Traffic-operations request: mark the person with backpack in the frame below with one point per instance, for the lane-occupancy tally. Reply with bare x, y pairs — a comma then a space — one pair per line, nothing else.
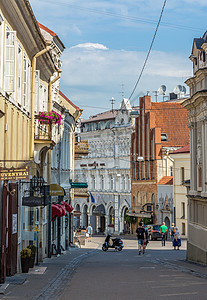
146, 237
141, 236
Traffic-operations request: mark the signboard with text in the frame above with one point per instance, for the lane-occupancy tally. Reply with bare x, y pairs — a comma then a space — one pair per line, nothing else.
14, 174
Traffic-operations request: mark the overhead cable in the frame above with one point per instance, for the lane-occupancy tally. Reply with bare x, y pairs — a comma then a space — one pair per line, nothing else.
146, 59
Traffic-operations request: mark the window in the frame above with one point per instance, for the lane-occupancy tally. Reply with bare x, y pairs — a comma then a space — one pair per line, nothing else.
127, 183
1, 49
93, 182
134, 200
101, 182
147, 165
183, 209
199, 177
143, 170
24, 81
9, 73
171, 171
123, 182
182, 175
28, 86
164, 137
133, 170
45, 99
138, 171
111, 182
19, 74
183, 228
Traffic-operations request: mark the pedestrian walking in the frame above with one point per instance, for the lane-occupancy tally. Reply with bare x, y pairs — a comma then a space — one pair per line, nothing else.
89, 232
140, 237
146, 238
172, 231
163, 231
176, 239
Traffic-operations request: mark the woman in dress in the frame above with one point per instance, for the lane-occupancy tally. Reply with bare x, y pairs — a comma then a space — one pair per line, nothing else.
176, 239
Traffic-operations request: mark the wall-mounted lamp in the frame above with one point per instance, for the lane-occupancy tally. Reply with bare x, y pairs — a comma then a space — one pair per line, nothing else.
140, 158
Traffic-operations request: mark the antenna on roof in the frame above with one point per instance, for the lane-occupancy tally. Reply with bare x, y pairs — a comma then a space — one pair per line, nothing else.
112, 103
162, 90
155, 94
122, 91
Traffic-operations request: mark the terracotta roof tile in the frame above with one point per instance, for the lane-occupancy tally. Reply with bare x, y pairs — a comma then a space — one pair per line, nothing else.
185, 149
168, 180
76, 107
47, 29
107, 115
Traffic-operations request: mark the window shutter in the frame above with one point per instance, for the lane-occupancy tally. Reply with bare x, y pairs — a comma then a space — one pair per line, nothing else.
37, 104
24, 98
19, 74
9, 73
29, 86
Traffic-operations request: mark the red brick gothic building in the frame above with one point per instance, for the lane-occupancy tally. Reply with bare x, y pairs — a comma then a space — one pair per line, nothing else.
161, 127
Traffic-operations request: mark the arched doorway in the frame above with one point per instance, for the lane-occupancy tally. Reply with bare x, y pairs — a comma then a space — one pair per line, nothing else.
124, 226
85, 216
99, 212
167, 223
111, 219
93, 219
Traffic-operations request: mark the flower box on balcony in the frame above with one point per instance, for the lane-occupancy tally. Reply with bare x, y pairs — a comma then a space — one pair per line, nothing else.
47, 117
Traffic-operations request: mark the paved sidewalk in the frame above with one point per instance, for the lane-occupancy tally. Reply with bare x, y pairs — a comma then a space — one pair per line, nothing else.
34, 284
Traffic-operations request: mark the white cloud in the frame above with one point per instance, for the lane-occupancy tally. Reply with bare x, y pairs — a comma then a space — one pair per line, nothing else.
93, 77
90, 46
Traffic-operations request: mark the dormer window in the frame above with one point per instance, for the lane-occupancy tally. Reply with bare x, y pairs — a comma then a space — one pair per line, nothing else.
164, 137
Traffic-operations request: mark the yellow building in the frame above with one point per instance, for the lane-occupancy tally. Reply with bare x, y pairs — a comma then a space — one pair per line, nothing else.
28, 70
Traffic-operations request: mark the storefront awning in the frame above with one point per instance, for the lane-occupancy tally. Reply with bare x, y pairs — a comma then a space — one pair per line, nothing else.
67, 206
99, 210
138, 215
58, 210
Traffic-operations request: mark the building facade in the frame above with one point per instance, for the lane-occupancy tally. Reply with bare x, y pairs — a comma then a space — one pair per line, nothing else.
159, 129
181, 175
106, 169
29, 84
197, 114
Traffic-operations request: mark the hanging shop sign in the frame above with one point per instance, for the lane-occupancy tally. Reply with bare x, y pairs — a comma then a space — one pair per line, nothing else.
32, 201
56, 190
14, 174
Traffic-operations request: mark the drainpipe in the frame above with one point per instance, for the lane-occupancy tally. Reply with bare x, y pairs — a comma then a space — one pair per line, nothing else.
49, 169
81, 111
34, 59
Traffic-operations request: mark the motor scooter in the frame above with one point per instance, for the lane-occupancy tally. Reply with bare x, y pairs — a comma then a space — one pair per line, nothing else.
117, 243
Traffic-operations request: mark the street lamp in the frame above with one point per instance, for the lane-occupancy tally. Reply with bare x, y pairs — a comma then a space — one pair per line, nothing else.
140, 158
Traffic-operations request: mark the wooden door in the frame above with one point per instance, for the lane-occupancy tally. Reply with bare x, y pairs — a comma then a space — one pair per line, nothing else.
12, 229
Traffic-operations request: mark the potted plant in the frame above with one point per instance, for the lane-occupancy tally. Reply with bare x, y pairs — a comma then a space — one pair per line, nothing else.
25, 259
45, 117
32, 259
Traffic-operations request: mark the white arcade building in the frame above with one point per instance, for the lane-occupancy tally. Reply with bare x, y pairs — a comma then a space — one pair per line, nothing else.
106, 169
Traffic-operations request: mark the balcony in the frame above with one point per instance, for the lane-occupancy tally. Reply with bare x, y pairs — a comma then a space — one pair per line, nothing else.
81, 149
43, 140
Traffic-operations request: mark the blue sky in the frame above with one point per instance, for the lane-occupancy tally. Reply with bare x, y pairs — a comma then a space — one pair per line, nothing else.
107, 42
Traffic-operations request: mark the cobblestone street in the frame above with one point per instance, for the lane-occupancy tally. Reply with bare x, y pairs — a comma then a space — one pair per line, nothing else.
90, 273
